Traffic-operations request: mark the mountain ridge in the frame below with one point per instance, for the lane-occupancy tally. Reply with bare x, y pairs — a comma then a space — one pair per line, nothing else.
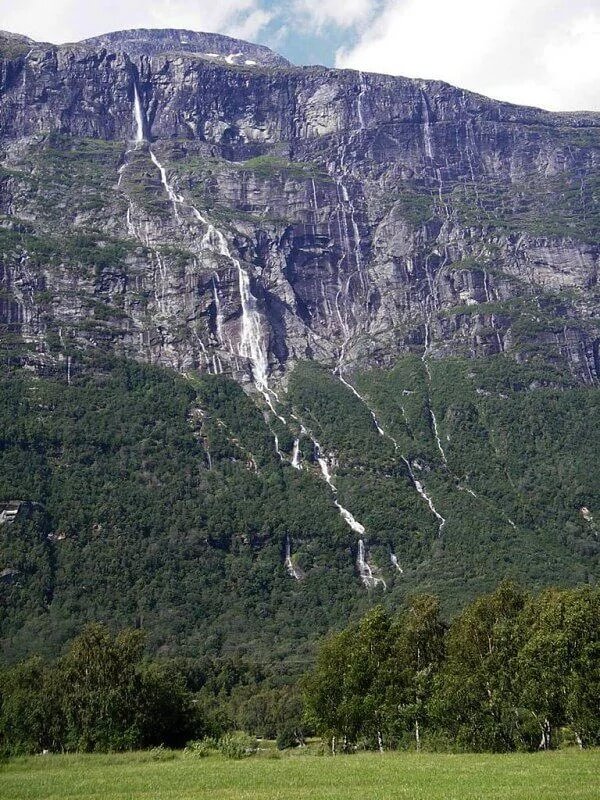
159, 41
431, 137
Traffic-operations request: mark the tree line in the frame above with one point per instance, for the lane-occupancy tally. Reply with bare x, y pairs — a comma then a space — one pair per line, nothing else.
102, 695
106, 694
514, 671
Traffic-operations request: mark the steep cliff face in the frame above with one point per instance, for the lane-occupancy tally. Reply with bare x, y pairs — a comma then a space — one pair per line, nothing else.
370, 215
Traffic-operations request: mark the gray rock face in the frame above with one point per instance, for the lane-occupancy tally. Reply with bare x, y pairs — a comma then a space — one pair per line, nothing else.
212, 46
368, 215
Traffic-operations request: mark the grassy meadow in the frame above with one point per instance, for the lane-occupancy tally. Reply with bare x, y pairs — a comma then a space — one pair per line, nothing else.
368, 776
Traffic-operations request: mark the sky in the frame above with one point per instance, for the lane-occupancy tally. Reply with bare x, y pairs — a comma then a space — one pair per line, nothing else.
534, 52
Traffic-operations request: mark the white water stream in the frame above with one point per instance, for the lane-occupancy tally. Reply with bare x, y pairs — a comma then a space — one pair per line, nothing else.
289, 564
359, 100
138, 115
369, 580
436, 432
252, 342
325, 472
421, 490
394, 560
437, 436
459, 485
218, 309
348, 229
416, 482
277, 450
428, 141
427, 127
296, 455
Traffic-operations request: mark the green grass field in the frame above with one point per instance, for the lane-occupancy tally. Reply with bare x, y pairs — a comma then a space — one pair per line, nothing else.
368, 776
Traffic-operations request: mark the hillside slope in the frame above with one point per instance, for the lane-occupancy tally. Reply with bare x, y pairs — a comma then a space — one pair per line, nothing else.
401, 275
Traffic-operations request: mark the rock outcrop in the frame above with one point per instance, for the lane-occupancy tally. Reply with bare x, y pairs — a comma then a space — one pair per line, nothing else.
366, 215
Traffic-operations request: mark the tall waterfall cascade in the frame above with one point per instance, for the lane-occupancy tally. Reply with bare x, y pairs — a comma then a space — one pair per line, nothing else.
138, 115
252, 341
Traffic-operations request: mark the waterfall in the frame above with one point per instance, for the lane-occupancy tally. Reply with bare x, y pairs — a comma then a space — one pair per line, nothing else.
380, 430
277, 450
140, 120
140, 136
176, 199
364, 570
437, 436
324, 465
347, 516
426, 127
428, 141
421, 490
347, 212
417, 483
252, 344
218, 310
314, 200
349, 519
394, 560
488, 298
289, 565
359, 100
296, 455
345, 202
130, 226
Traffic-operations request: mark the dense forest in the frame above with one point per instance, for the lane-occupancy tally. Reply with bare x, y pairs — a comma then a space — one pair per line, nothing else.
514, 671
505, 675
167, 503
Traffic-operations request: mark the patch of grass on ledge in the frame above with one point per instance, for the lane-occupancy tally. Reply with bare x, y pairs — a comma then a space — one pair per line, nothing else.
267, 165
301, 775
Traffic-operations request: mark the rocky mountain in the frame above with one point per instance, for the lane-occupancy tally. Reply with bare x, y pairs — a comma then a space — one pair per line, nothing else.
378, 207
211, 46
402, 274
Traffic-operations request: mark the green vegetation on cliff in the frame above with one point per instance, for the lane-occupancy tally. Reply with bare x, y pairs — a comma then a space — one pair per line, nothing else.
158, 501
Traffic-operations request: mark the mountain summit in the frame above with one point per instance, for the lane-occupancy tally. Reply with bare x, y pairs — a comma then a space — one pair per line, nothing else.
152, 42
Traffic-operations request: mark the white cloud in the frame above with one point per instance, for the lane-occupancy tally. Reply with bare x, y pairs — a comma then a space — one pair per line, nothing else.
343, 13
537, 52
70, 20
249, 27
